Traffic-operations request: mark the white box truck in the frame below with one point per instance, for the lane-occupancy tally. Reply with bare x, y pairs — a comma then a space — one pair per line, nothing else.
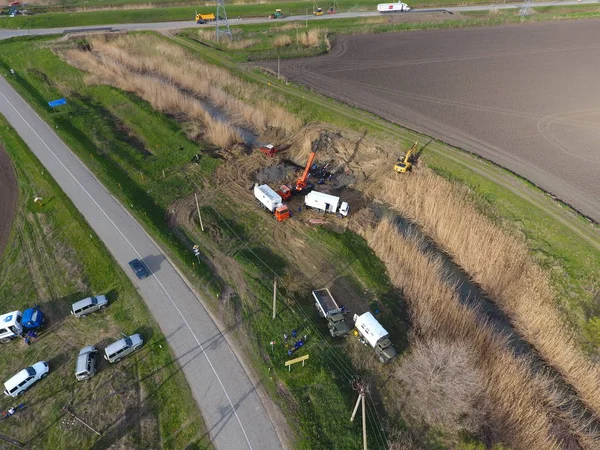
330, 310
271, 200
326, 203
374, 335
392, 7
15, 324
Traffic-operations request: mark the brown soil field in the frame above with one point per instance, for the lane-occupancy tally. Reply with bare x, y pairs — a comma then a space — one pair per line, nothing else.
522, 96
8, 197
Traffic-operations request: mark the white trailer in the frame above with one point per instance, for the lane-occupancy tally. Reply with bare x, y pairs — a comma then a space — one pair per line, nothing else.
267, 197
330, 310
271, 200
375, 336
10, 326
392, 7
326, 203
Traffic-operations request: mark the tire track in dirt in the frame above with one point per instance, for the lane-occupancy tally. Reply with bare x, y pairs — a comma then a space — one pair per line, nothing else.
9, 193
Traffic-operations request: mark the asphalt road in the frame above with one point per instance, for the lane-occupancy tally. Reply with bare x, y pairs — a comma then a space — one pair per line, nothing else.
6, 33
523, 96
234, 415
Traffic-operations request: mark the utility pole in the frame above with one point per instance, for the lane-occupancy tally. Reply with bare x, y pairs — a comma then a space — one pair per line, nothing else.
222, 22
361, 387
198, 208
274, 297
278, 60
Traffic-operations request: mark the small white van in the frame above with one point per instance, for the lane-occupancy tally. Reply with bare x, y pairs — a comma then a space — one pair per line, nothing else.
123, 347
88, 305
25, 378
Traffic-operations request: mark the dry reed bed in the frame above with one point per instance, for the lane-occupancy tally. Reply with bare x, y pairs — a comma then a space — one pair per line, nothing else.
165, 97
245, 104
525, 405
500, 264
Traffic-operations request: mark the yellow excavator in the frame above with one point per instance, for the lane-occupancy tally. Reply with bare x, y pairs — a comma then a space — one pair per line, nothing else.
404, 164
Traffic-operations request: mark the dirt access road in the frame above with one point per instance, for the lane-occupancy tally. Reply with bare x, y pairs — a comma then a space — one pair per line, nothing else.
523, 96
9, 194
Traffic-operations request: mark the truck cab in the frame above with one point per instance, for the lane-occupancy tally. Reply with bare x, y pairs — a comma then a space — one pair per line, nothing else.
385, 350
32, 318
10, 326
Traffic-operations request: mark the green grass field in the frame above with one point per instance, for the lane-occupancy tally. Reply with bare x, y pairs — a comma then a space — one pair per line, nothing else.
53, 259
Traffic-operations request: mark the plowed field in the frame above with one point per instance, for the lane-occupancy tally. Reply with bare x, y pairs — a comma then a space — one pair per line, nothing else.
524, 96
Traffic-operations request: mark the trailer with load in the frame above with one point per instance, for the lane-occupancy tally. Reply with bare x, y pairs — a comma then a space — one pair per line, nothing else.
270, 200
14, 324
326, 203
392, 7
330, 310
375, 336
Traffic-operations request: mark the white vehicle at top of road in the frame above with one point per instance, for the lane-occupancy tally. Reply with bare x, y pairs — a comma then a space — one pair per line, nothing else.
392, 7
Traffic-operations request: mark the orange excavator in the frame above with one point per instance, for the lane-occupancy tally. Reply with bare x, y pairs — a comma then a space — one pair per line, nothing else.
302, 185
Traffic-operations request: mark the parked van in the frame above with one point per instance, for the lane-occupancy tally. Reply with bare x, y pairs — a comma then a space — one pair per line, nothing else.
25, 378
88, 305
87, 361
123, 347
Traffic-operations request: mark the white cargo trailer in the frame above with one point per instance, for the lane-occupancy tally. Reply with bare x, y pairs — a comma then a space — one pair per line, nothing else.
375, 336
267, 197
326, 203
392, 7
271, 200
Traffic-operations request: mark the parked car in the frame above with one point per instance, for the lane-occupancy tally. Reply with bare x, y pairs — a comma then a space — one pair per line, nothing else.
123, 347
87, 362
139, 268
88, 305
25, 378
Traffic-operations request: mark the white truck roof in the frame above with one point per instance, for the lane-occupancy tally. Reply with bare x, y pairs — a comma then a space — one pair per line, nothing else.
369, 328
265, 189
9, 319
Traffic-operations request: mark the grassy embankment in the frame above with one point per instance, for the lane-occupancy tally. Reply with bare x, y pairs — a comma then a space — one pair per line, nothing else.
129, 145
53, 259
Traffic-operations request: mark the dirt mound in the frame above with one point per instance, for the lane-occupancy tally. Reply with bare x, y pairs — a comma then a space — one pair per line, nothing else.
9, 194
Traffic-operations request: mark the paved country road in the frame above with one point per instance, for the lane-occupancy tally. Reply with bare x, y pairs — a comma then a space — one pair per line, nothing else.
8, 33
234, 415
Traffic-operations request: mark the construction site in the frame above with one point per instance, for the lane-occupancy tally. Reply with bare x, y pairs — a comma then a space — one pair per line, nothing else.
367, 257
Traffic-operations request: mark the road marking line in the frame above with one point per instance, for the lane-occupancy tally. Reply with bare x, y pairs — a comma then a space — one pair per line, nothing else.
140, 256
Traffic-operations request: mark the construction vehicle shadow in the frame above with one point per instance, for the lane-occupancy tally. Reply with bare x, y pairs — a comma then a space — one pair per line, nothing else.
420, 150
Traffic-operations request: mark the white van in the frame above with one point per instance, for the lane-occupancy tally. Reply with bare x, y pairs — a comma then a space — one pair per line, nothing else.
25, 378
88, 305
123, 347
